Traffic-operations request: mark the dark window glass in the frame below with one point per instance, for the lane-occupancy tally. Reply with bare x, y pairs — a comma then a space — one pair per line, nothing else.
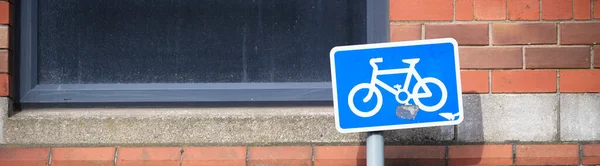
193, 41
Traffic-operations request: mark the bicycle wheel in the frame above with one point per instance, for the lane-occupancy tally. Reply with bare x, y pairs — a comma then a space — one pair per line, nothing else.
372, 89
422, 83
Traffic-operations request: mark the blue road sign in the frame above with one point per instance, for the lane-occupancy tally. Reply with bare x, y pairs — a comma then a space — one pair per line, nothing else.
378, 86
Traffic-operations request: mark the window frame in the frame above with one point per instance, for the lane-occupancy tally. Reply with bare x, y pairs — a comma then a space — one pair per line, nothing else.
28, 91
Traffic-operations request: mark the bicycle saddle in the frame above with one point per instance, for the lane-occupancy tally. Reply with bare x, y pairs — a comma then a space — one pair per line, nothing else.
411, 61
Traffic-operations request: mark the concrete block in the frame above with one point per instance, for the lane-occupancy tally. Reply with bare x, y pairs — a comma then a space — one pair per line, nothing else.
194, 126
580, 117
5, 110
471, 129
429, 135
509, 117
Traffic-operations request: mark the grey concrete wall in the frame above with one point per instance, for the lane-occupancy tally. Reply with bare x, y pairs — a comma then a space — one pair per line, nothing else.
5, 111
490, 118
510, 117
225, 126
580, 117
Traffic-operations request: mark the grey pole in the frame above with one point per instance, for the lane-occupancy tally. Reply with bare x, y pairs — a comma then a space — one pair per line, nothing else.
378, 31
375, 149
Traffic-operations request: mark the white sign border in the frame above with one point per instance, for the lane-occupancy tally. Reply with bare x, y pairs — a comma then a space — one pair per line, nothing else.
396, 44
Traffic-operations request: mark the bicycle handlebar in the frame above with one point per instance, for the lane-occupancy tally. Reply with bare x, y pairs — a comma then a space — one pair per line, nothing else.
376, 60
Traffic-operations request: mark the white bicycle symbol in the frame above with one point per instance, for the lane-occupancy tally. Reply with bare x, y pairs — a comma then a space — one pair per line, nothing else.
398, 89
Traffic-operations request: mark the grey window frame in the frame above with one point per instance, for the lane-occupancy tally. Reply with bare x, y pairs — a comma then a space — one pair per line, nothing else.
29, 91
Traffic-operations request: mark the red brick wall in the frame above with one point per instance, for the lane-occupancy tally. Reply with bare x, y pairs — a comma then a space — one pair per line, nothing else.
499, 154
511, 46
5, 26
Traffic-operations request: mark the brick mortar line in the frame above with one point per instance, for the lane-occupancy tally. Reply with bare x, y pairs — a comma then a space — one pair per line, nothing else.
50, 156
312, 156
473, 7
524, 59
526, 45
446, 154
422, 31
540, 11
558, 85
454, 11
558, 111
529, 69
490, 34
247, 155
116, 155
558, 33
494, 46
506, 10
490, 81
573, 9
580, 154
181, 151
514, 154
592, 10
593, 142
553, 45
488, 21
592, 57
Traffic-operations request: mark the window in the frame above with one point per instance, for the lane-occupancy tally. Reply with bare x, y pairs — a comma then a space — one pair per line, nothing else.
188, 50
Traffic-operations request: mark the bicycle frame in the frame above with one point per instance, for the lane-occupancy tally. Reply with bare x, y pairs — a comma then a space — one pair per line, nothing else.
410, 71
387, 87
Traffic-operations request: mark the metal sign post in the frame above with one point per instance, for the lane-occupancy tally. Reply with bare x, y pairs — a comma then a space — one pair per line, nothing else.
377, 32
375, 148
